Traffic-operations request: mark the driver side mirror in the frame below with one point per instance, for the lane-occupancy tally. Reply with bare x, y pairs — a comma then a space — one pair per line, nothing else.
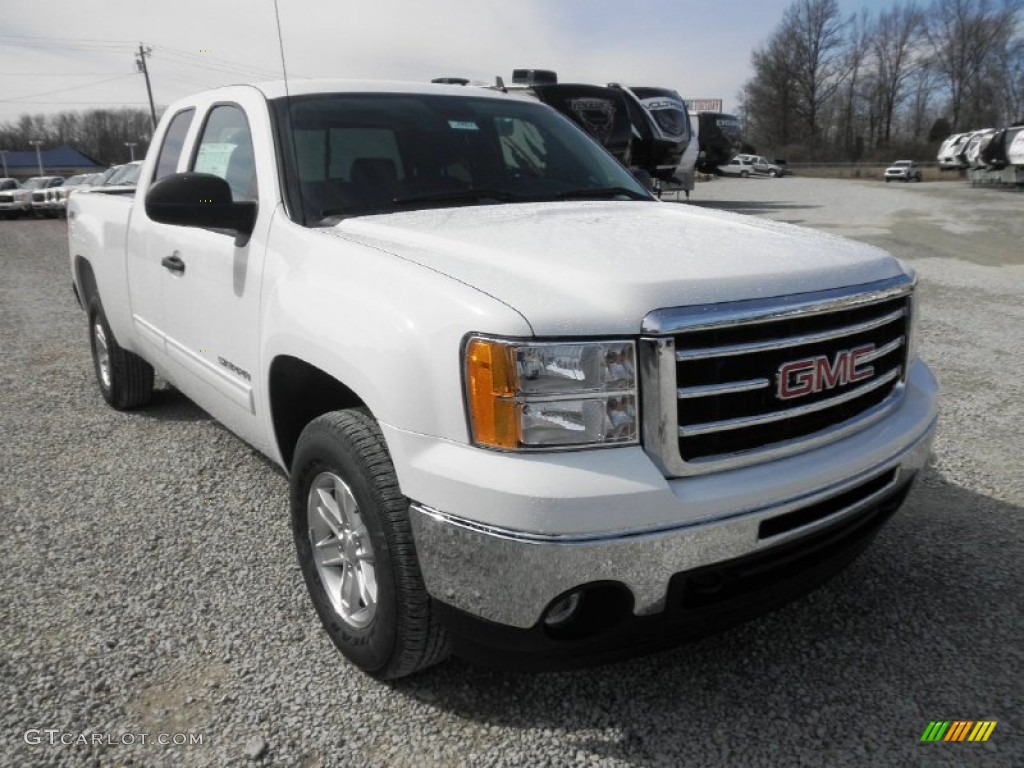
200, 200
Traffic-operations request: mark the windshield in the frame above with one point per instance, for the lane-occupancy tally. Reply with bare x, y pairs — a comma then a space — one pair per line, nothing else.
668, 111
8, 184
36, 182
360, 154
126, 174
102, 177
730, 127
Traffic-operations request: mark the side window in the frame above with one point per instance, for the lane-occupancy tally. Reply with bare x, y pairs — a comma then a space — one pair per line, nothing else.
225, 150
174, 140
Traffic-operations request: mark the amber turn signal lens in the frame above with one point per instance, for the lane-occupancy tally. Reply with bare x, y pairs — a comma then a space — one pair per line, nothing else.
490, 383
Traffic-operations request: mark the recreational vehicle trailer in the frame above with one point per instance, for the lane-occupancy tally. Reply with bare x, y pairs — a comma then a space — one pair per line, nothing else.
645, 128
720, 138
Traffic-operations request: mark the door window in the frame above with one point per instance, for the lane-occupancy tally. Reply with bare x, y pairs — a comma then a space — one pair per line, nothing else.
225, 150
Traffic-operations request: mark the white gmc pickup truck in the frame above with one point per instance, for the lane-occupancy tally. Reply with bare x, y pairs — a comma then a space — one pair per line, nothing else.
528, 412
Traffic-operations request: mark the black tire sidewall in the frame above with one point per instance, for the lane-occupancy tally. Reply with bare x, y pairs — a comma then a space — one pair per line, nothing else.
322, 450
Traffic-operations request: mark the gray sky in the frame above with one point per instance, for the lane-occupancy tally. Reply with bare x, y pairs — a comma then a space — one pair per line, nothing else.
75, 54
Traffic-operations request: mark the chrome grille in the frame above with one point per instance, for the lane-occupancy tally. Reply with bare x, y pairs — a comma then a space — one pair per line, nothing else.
717, 371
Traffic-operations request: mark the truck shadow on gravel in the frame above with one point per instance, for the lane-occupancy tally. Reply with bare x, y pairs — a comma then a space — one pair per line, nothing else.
921, 626
168, 404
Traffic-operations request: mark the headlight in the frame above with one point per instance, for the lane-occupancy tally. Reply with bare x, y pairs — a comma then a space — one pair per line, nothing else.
530, 395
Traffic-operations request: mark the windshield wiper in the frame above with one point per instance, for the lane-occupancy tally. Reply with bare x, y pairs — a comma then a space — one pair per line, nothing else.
474, 195
602, 192
446, 196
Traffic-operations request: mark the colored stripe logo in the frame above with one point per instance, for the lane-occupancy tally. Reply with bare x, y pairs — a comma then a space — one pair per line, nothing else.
958, 730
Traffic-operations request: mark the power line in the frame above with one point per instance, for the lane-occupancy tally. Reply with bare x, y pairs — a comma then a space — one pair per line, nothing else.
18, 101
23, 96
65, 39
58, 74
213, 62
93, 47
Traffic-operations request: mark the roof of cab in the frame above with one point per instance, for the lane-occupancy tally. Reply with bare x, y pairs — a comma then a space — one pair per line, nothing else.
276, 89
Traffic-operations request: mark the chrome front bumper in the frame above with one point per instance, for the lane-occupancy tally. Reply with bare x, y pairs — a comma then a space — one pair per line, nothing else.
511, 577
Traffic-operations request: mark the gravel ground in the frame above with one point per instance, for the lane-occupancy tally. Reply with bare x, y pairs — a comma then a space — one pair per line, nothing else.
150, 585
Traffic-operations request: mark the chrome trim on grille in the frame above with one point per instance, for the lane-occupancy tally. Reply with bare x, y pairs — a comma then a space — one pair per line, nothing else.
674, 320
724, 389
798, 444
661, 394
789, 413
882, 351
790, 341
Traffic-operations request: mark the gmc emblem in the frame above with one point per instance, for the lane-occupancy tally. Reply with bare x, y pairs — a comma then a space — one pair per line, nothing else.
815, 374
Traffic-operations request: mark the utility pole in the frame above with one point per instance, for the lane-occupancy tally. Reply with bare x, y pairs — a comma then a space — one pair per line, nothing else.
140, 63
3, 156
39, 156
131, 146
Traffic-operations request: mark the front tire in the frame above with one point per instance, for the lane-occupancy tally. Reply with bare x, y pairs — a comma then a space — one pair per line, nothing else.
355, 547
744, 174
124, 378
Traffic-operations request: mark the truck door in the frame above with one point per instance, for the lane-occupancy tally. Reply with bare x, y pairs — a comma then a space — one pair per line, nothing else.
146, 276
211, 282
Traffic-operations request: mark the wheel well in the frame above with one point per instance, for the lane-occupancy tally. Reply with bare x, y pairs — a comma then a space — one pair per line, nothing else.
86, 287
299, 392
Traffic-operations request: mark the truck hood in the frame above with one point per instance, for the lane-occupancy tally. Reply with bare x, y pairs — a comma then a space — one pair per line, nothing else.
599, 267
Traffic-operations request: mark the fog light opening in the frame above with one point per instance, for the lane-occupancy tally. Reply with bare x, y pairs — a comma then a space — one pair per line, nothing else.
588, 610
562, 610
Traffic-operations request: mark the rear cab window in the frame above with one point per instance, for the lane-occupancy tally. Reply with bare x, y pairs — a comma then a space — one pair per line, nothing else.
174, 142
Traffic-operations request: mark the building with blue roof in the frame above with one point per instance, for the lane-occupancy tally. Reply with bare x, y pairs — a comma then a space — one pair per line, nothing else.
64, 160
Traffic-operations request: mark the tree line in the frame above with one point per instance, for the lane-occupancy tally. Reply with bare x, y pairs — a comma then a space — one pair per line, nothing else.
99, 133
829, 87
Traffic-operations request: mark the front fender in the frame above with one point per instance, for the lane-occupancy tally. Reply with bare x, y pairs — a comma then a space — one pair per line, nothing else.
388, 329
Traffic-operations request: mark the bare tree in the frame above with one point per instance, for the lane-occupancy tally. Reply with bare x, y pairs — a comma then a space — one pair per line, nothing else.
894, 42
1010, 61
964, 36
922, 89
99, 133
817, 33
856, 57
824, 87
768, 98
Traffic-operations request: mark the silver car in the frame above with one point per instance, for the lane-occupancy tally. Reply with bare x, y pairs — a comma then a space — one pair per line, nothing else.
903, 170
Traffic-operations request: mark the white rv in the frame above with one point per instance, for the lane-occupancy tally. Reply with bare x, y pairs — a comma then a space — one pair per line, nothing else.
947, 152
